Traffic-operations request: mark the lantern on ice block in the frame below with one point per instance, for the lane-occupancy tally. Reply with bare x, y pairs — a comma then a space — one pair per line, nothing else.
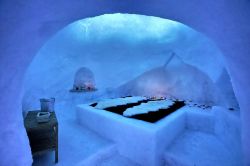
84, 80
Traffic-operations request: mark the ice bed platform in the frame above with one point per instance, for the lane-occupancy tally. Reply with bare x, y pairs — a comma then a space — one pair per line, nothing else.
138, 140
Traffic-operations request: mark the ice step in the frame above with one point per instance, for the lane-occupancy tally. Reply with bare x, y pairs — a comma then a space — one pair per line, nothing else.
199, 149
107, 156
99, 156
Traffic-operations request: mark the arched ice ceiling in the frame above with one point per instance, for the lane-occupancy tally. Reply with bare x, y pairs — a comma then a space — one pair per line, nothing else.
122, 46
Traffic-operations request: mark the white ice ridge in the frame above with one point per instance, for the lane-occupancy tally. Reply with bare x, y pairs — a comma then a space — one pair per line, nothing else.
118, 101
148, 107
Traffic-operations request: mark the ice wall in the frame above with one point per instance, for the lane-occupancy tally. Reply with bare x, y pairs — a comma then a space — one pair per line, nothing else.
176, 79
117, 48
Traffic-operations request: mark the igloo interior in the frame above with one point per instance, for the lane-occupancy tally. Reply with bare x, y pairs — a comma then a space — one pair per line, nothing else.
166, 84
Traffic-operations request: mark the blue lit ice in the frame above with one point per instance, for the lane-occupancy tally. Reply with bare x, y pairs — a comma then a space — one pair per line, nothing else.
118, 48
127, 55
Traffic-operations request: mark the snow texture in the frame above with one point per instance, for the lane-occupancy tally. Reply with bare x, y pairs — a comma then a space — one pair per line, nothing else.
201, 149
150, 106
118, 101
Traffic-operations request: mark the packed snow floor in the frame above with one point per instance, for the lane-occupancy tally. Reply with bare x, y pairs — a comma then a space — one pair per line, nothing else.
194, 148
81, 147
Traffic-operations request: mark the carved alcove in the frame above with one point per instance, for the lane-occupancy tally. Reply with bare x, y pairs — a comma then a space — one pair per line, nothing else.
84, 80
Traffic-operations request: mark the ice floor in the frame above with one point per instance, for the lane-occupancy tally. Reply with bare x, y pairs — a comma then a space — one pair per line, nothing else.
81, 147
194, 148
